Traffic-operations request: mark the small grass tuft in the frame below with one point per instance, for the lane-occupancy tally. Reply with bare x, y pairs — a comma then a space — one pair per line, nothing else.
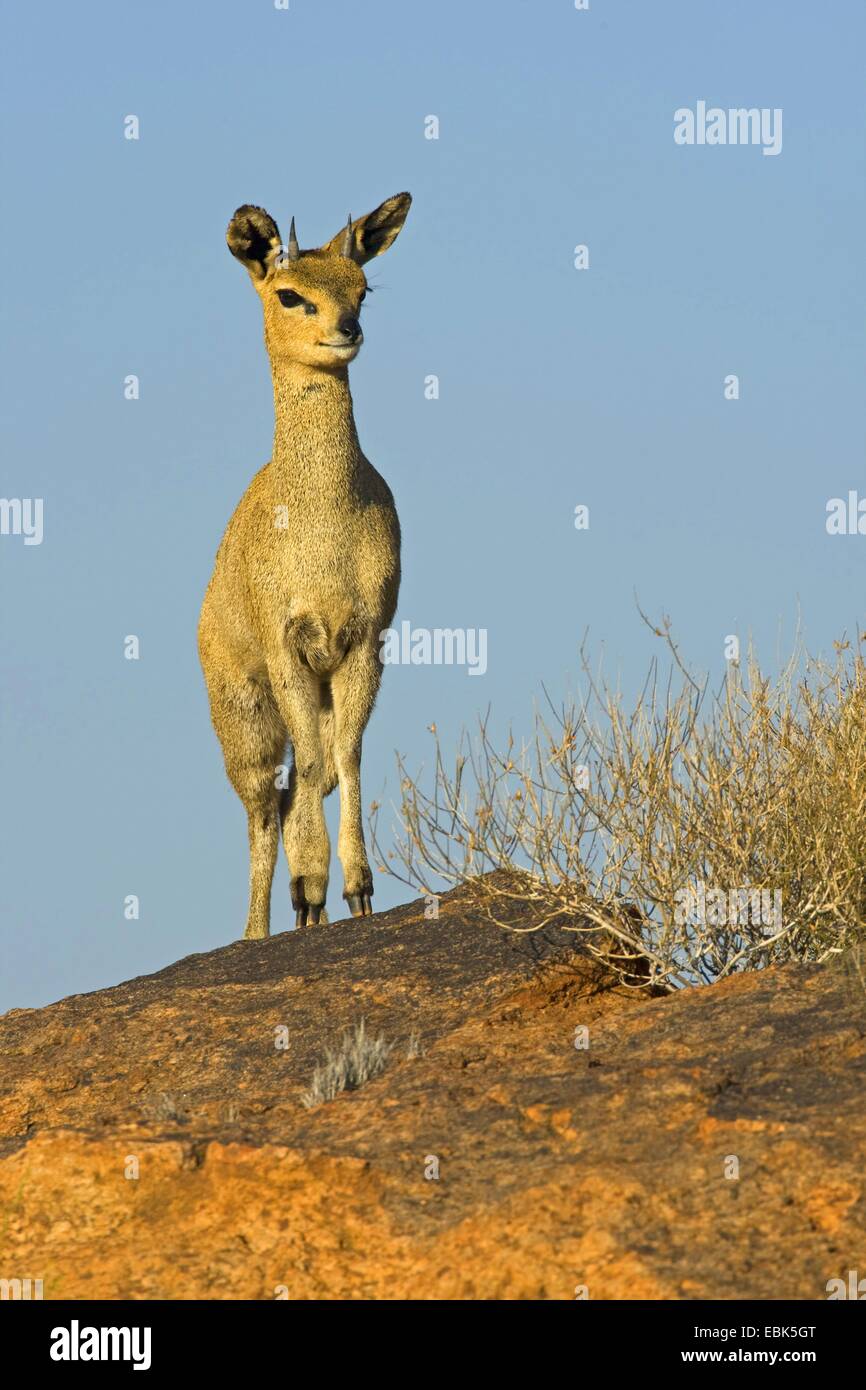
414, 1046
166, 1106
356, 1060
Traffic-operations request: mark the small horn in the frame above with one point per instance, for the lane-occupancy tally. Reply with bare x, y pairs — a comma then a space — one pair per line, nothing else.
348, 240
293, 250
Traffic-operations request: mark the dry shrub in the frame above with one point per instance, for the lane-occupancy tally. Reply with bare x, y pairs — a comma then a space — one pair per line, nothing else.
609, 818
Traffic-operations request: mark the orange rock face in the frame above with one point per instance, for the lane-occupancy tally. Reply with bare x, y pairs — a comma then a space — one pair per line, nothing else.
153, 1142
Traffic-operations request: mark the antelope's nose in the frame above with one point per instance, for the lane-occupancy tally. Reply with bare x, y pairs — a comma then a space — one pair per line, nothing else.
350, 327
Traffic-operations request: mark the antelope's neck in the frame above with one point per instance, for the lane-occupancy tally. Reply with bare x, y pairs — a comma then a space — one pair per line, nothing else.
316, 445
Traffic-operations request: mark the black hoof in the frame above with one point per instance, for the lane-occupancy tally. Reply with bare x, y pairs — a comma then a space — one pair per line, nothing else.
308, 915
360, 904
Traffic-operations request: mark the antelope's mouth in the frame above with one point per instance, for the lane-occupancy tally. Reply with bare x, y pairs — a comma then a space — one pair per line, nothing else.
342, 347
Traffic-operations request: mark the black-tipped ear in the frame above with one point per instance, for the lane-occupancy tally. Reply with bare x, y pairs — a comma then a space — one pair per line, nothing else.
253, 237
373, 234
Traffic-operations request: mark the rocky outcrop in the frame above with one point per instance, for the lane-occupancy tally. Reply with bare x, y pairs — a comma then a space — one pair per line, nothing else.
708, 1144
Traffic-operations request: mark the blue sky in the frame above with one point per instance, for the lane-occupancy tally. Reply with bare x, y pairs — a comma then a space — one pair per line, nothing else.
557, 387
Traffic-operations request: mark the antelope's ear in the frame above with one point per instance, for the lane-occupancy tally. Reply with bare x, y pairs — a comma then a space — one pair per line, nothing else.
253, 237
373, 234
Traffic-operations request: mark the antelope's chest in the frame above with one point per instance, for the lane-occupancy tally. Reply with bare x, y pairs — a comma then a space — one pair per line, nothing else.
345, 561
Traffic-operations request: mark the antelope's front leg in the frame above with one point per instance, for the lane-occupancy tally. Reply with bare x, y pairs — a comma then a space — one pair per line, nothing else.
305, 834
354, 686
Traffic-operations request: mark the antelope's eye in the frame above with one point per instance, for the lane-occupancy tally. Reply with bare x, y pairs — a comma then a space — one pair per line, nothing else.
363, 296
289, 299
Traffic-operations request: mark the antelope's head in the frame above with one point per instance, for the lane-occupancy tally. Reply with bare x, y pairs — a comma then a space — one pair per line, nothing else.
312, 299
